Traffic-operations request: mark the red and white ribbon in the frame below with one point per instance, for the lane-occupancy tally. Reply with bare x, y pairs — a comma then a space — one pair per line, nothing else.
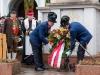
56, 55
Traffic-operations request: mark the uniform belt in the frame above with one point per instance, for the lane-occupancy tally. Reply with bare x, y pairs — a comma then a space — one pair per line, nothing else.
14, 34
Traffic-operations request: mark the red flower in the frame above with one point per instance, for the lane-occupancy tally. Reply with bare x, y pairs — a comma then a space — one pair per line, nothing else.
59, 31
64, 35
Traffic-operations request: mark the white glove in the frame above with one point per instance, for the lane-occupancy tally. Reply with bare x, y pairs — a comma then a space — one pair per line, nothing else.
49, 46
69, 53
30, 32
19, 39
76, 47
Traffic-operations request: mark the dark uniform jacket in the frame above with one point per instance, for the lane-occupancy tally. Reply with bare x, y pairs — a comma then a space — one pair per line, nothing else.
79, 32
38, 36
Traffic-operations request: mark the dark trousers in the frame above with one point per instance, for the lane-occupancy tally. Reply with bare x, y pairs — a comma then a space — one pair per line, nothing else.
37, 54
81, 52
29, 60
13, 48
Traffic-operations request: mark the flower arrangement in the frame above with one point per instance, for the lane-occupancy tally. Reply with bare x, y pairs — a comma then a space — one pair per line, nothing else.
57, 36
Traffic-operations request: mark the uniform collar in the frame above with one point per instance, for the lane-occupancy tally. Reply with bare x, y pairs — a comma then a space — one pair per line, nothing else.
47, 25
69, 26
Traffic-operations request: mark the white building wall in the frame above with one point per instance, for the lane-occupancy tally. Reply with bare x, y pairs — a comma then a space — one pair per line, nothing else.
40, 3
61, 1
4, 4
90, 24
3, 7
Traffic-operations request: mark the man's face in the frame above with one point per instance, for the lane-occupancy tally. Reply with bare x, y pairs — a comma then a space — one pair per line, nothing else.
30, 17
13, 15
2, 19
50, 24
66, 27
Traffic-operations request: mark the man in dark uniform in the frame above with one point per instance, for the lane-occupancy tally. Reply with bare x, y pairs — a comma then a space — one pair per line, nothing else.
78, 32
38, 36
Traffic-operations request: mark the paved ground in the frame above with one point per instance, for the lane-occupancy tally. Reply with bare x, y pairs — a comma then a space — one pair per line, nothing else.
29, 70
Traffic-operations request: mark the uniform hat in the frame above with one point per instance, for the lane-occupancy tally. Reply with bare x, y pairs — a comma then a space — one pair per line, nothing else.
30, 13
8, 15
52, 17
13, 11
64, 21
3, 17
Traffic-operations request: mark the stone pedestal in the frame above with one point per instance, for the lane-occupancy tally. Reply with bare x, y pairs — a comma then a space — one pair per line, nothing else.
10, 68
87, 70
87, 13
72, 59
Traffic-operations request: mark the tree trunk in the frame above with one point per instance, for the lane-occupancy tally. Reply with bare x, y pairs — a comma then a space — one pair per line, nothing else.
28, 4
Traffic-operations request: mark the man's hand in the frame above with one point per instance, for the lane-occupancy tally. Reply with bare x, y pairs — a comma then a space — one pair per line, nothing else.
86, 45
19, 39
30, 32
49, 46
69, 53
50, 32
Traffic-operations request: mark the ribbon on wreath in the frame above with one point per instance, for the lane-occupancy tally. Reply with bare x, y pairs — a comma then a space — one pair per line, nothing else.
56, 55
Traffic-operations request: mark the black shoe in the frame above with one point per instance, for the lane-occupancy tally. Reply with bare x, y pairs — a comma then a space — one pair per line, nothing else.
28, 64
39, 69
45, 68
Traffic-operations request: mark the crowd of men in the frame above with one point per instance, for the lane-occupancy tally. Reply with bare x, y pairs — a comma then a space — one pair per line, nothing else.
34, 35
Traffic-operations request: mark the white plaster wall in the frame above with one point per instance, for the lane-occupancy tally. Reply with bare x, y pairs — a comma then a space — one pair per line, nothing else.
89, 23
40, 3
6, 3
61, 1
41, 14
45, 16
76, 15
3, 7
97, 31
